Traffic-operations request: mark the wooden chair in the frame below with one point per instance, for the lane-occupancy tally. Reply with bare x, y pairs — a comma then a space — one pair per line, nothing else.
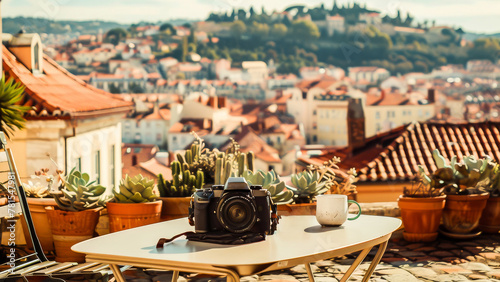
36, 264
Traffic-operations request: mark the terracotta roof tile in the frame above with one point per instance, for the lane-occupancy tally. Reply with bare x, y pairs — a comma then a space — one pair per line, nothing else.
413, 146
59, 92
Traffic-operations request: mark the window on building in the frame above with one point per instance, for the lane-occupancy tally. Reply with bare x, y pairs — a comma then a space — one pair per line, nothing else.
377, 115
79, 163
134, 160
315, 138
97, 166
388, 114
279, 140
112, 165
378, 127
158, 137
314, 112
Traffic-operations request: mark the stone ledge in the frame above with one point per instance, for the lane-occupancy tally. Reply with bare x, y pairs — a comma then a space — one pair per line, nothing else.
379, 208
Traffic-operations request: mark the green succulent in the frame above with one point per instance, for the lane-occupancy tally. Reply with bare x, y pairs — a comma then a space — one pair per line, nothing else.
270, 181
308, 184
471, 176
78, 193
138, 189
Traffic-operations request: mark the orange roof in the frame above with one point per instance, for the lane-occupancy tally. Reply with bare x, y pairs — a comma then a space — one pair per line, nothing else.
60, 91
323, 83
387, 99
249, 141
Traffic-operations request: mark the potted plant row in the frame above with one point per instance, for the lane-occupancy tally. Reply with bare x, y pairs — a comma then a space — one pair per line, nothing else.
459, 191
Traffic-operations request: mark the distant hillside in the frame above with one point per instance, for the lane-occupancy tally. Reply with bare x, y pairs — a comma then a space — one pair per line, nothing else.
474, 36
41, 25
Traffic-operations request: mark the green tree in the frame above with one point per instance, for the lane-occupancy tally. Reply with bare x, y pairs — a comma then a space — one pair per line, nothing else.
304, 30
238, 28
116, 35
11, 114
278, 31
168, 27
259, 30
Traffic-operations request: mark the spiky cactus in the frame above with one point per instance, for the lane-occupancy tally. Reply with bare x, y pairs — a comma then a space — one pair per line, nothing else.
138, 189
308, 184
79, 194
271, 182
183, 183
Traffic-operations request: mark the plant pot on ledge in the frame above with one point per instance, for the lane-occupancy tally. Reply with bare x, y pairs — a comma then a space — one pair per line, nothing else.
69, 228
134, 205
174, 207
490, 218
421, 217
461, 213
41, 223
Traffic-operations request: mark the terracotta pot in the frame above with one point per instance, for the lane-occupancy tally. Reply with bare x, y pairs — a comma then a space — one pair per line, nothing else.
490, 219
461, 213
174, 207
41, 223
297, 209
69, 228
421, 217
129, 215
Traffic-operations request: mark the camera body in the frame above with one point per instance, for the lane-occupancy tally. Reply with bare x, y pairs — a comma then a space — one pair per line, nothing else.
234, 207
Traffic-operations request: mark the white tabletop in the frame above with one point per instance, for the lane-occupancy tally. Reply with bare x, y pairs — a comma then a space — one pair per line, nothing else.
297, 237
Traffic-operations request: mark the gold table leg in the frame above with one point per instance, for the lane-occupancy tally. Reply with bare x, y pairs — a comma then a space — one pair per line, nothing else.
355, 264
309, 272
117, 273
375, 261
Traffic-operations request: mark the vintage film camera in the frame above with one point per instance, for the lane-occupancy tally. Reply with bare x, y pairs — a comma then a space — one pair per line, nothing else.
233, 208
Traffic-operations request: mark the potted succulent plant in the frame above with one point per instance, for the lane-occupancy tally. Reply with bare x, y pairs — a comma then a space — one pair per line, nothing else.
490, 218
463, 183
134, 204
422, 207
38, 196
317, 180
76, 215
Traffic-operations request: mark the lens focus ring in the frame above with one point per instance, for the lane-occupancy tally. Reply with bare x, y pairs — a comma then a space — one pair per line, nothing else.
237, 213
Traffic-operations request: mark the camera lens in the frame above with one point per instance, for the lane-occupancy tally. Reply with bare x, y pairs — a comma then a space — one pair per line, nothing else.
236, 213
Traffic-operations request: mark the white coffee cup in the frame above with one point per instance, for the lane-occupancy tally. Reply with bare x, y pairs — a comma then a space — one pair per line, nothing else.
332, 209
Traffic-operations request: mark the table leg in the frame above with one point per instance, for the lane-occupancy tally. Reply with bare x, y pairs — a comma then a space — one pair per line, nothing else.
355, 264
117, 273
175, 276
309, 272
375, 261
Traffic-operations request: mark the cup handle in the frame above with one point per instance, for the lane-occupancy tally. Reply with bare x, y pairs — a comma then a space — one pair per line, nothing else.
359, 212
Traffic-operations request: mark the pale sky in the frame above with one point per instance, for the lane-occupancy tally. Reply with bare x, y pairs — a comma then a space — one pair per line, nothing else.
481, 16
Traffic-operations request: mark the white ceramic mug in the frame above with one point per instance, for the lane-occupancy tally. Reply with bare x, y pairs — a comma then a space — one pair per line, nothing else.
332, 209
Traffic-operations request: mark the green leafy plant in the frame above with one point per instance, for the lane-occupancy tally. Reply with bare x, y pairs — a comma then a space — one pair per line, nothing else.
11, 114
471, 176
138, 189
78, 193
270, 181
183, 183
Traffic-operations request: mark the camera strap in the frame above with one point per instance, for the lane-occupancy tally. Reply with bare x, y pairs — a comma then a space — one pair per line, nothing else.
216, 238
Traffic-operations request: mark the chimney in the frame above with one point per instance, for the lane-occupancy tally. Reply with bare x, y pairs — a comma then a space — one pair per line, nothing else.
222, 102
431, 95
355, 124
213, 102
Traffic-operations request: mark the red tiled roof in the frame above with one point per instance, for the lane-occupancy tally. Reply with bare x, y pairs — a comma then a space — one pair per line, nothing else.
414, 144
323, 83
58, 92
249, 141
